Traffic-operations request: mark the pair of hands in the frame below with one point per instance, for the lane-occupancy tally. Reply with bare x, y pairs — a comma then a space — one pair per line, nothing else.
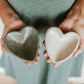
73, 22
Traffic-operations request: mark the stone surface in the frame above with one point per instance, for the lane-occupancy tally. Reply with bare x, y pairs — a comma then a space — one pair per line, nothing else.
60, 46
23, 43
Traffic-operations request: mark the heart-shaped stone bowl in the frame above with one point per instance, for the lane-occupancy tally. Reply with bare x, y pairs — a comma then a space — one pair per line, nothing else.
59, 46
23, 43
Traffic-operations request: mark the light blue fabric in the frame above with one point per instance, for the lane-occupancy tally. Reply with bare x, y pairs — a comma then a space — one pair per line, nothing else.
41, 14
43, 73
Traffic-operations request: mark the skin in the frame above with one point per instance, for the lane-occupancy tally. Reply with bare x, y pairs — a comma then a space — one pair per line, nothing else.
73, 22
12, 22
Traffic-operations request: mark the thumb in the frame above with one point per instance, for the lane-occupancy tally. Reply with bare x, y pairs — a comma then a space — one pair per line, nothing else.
2, 44
66, 25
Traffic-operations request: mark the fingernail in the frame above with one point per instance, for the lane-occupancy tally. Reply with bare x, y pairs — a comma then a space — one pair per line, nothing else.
39, 49
28, 64
43, 45
38, 58
45, 53
56, 65
7, 54
78, 52
35, 63
48, 61
75, 55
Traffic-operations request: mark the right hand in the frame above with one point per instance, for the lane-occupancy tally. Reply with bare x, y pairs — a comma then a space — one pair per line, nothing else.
11, 26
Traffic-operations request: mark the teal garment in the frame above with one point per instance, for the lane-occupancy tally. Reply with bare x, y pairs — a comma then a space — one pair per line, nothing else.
41, 14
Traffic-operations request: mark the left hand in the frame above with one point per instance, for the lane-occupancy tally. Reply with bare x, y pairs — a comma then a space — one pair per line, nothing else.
73, 22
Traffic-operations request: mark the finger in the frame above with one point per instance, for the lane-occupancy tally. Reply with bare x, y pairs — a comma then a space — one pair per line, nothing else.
79, 50
44, 43
66, 25
76, 53
45, 53
39, 48
27, 63
38, 56
2, 45
35, 62
49, 60
3, 48
57, 64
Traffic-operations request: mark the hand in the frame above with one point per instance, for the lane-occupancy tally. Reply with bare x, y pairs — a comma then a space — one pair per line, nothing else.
12, 22
48, 58
15, 25
75, 22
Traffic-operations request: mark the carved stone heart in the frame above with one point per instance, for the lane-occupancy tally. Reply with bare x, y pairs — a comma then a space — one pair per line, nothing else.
59, 46
23, 43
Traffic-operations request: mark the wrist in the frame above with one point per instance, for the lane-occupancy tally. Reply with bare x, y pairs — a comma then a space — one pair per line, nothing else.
16, 24
2, 0
80, 4
77, 9
9, 18
7, 13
